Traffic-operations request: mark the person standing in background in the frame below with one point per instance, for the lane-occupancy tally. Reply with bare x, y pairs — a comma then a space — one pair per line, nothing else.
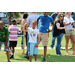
69, 32
25, 15
59, 30
54, 16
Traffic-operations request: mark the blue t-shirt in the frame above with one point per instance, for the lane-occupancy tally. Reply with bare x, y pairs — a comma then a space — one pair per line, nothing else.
44, 23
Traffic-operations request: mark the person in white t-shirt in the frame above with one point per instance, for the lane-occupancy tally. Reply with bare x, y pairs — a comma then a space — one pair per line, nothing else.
33, 40
68, 21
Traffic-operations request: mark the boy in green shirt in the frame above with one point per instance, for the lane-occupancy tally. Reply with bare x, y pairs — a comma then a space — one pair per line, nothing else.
4, 34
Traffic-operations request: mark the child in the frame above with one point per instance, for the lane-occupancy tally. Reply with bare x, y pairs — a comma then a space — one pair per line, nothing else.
14, 29
4, 33
43, 34
33, 40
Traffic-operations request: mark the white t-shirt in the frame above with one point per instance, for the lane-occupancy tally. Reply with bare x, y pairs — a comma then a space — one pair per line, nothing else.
68, 20
33, 35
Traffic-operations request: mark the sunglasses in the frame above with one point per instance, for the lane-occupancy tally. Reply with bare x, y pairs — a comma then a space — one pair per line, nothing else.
61, 16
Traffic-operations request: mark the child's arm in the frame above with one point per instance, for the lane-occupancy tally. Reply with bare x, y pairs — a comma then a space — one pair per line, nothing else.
37, 40
26, 26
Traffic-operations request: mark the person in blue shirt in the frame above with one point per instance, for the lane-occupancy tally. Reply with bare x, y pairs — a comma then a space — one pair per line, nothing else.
43, 34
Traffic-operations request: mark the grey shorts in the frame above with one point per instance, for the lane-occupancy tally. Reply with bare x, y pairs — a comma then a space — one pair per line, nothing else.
69, 32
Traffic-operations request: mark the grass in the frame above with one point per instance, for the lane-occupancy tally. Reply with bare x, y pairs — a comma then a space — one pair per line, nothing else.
52, 58
49, 58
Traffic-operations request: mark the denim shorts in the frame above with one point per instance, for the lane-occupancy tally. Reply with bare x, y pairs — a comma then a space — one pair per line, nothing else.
4, 46
33, 49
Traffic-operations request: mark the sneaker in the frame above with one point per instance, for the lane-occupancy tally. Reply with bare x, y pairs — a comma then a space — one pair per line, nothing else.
67, 53
11, 56
62, 55
73, 53
43, 60
26, 56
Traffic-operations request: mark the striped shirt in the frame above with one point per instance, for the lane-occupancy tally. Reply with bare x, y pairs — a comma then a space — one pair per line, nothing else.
14, 29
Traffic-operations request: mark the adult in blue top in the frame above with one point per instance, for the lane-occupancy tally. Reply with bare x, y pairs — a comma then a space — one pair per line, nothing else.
43, 34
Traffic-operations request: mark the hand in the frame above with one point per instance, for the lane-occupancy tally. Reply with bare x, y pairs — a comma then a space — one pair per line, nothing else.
65, 27
7, 47
36, 45
72, 22
49, 30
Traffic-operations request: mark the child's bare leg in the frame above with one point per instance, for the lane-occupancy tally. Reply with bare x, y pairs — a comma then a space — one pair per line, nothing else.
30, 58
35, 57
45, 50
8, 55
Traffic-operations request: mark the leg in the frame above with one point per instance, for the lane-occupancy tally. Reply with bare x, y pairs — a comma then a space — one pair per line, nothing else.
0, 45
73, 42
35, 57
45, 50
22, 41
30, 58
13, 50
44, 42
53, 40
67, 41
59, 38
8, 55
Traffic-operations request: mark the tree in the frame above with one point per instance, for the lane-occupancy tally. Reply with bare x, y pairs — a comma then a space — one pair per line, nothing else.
9, 16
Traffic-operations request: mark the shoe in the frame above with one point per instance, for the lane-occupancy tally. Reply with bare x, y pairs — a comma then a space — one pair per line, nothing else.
11, 56
70, 48
26, 56
67, 53
62, 55
43, 60
73, 53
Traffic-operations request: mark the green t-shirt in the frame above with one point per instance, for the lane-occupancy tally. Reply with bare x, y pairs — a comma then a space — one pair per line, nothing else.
3, 34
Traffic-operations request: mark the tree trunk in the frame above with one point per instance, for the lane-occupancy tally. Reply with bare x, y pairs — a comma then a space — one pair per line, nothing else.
9, 16
14, 15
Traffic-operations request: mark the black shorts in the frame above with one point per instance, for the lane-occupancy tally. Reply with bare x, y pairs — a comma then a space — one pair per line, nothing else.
12, 43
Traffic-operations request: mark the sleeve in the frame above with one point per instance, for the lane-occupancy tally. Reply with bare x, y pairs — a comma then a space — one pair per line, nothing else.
65, 20
39, 17
7, 32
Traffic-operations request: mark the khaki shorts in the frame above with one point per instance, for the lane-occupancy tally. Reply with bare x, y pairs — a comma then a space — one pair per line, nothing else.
69, 32
44, 38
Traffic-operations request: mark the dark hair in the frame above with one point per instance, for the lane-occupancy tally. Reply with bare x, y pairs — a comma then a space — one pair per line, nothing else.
13, 21
25, 15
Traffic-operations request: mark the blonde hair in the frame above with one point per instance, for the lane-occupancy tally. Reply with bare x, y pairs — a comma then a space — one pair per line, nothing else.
66, 13
58, 17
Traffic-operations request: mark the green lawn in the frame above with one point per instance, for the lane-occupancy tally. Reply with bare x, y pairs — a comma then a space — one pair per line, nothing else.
52, 58
49, 58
